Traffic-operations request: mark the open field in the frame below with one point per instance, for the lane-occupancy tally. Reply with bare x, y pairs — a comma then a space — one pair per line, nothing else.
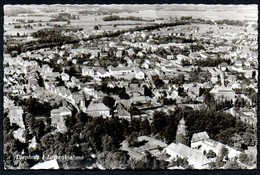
87, 22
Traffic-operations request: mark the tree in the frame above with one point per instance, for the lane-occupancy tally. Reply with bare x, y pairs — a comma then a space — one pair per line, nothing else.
96, 27
211, 154
109, 101
223, 152
147, 91
249, 138
157, 81
132, 139
232, 164
159, 122
108, 143
123, 95
243, 158
209, 99
7, 125
145, 127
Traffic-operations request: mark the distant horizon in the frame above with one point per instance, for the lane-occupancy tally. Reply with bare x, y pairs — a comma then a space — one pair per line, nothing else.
204, 11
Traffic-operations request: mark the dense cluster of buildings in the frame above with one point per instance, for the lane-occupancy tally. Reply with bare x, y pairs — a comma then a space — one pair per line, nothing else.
139, 58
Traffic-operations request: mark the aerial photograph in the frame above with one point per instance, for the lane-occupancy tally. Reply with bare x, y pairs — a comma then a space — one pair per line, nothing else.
130, 87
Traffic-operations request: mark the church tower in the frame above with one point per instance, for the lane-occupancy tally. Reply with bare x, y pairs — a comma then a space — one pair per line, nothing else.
181, 135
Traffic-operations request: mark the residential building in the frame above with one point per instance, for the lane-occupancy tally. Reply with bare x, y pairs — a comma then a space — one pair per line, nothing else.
97, 109
223, 92
138, 73
120, 70
102, 73
58, 117
86, 71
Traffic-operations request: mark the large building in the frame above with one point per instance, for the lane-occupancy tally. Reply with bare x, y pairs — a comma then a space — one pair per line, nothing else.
98, 109
195, 158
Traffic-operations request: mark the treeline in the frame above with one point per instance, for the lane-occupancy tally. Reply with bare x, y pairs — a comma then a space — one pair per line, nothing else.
47, 38
132, 18
56, 39
210, 62
220, 22
220, 126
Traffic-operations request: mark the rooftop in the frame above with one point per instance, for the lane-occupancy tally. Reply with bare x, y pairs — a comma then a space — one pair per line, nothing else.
97, 107
199, 136
188, 152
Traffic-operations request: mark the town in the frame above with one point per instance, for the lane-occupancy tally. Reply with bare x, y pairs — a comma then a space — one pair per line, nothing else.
89, 89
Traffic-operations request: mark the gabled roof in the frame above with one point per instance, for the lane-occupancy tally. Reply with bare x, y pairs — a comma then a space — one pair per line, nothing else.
214, 144
101, 71
85, 68
188, 152
121, 69
121, 111
97, 107
199, 136
224, 64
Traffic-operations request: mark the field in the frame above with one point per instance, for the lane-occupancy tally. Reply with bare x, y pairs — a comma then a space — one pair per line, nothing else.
87, 22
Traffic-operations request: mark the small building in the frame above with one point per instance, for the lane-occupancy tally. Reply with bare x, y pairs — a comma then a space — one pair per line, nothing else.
119, 53
223, 66
58, 117
138, 73
86, 71
170, 57
102, 73
64, 76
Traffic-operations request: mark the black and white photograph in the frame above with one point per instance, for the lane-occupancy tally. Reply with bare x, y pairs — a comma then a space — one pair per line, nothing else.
130, 87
